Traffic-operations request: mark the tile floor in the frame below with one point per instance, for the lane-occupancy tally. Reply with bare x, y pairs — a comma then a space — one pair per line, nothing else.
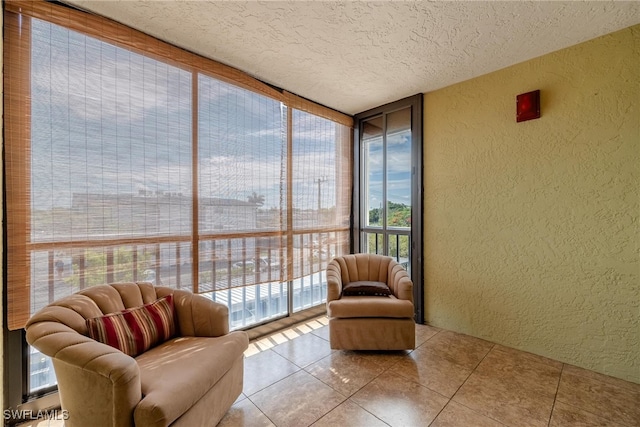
293, 379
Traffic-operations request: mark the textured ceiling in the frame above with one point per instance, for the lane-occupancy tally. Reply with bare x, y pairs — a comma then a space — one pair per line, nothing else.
353, 55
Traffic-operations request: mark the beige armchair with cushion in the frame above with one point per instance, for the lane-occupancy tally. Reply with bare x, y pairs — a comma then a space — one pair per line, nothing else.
188, 377
369, 304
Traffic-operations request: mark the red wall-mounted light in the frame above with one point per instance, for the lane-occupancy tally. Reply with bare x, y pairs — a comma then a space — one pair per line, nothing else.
528, 106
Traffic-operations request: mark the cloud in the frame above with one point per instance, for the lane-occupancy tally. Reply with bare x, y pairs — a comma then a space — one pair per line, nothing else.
116, 122
97, 80
237, 177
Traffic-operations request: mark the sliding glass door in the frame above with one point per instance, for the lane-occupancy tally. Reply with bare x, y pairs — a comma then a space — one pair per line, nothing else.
389, 180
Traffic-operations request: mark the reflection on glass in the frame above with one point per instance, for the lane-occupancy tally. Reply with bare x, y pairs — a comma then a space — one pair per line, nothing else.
41, 374
373, 158
110, 140
374, 243
320, 175
241, 147
398, 177
400, 249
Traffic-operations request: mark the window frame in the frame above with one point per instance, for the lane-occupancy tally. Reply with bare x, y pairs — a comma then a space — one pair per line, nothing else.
414, 102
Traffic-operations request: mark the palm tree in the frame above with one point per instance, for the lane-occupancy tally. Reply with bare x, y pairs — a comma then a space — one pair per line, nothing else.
256, 198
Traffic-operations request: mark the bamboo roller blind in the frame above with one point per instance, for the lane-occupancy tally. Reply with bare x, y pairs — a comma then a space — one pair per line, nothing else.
131, 159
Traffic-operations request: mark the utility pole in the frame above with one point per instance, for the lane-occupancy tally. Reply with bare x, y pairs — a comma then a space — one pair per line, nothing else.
319, 181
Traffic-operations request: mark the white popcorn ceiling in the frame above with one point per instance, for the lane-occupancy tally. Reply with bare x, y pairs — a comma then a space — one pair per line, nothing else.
353, 55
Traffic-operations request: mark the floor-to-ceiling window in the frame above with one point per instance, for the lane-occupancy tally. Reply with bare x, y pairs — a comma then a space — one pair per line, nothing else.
131, 160
388, 208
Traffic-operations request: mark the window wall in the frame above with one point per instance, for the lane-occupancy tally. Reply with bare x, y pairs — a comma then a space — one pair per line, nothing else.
131, 160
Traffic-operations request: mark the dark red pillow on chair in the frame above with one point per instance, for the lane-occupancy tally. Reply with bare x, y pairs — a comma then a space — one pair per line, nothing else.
366, 288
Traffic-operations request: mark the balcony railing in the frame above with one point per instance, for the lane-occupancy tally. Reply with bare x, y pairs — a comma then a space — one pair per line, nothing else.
248, 274
398, 244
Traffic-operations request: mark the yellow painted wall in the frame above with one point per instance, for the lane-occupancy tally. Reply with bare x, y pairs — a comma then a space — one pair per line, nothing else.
532, 229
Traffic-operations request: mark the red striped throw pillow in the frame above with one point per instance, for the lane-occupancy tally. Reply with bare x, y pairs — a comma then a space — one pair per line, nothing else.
135, 330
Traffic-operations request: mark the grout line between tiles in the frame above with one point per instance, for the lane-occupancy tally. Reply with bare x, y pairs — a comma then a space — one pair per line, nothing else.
476, 412
332, 409
277, 381
439, 412
273, 383
555, 396
472, 371
261, 411
464, 382
598, 415
365, 409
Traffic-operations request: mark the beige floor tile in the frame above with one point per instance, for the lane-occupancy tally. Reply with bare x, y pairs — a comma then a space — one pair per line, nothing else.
520, 370
399, 402
632, 387
317, 323
566, 415
433, 370
513, 387
456, 415
351, 415
525, 357
444, 362
304, 349
265, 368
245, 414
347, 371
508, 398
605, 398
460, 349
385, 358
322, 332
296, 401
424, 332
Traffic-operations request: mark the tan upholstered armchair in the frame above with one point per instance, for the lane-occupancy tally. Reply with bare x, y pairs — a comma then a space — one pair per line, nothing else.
369, 304
190, 379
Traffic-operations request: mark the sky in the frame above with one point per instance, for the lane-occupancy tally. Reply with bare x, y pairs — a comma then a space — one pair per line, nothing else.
106, 120
398, 168
95, 104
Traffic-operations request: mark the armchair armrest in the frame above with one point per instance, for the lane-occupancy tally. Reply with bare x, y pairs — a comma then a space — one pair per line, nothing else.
334, 281
400, 282
199, 316
59, 341
97, 378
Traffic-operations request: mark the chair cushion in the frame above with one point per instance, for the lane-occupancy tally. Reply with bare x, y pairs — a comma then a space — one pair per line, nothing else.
366, 287
135, 330
367, 306
179, 372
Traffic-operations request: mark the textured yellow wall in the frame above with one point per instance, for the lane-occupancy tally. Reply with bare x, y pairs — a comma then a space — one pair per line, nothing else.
531, 229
